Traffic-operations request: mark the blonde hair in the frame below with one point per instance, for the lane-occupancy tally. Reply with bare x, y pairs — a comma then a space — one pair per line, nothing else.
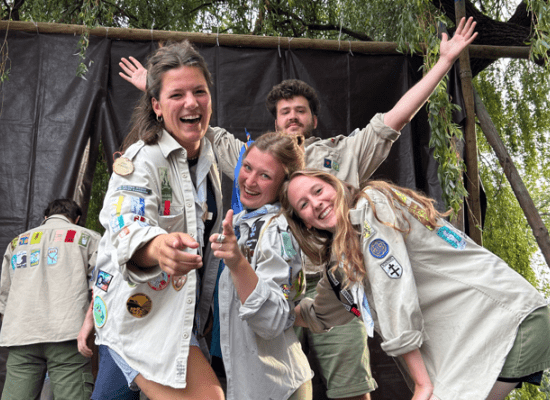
344, 245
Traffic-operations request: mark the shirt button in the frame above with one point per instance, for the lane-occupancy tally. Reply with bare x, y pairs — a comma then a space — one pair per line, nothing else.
188, 204
184, 176
192, 235
189, 301
185, 335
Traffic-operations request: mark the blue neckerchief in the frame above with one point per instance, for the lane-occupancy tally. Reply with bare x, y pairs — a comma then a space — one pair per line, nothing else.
236, 204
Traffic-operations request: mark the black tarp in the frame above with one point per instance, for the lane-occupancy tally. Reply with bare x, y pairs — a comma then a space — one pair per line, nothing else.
48, 115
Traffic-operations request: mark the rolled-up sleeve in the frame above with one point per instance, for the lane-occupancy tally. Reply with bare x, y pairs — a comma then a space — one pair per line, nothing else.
227, 148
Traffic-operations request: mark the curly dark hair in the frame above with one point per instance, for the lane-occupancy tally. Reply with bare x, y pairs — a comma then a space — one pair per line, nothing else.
289, 89
67, 207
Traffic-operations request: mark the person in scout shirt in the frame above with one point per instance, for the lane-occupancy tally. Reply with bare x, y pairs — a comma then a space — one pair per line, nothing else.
466, 326
155, 275
295, 108
44, 295
262, 281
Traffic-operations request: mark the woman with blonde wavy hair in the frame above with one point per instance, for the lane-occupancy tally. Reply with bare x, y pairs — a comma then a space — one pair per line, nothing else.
462, 323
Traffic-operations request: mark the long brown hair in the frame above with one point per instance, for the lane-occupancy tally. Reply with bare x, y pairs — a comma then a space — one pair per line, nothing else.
145, 125
344, 245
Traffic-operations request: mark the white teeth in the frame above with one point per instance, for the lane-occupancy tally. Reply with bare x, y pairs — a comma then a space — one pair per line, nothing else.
190, 117
250, 193
325, 213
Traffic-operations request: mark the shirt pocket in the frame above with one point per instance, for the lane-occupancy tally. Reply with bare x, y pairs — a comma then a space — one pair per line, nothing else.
175, 222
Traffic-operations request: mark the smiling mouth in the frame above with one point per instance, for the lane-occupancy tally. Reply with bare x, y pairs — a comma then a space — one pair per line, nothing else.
325, 213
248, 192
191, 119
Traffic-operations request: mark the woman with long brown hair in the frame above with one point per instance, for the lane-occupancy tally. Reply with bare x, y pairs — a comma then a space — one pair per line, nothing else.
465, 325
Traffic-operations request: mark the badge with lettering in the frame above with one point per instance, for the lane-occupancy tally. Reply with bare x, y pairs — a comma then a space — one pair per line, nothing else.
137, 189
160, 282
103, 280
59, 235
378, 248
52, 256
139, 305
70, 236
100, 312
21, 261
392, 268
179, 281
123, 166
36, 237
35, 257
24, 239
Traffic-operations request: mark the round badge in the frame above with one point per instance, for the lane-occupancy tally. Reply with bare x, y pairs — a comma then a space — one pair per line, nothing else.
123, 166
378, 248
179, 281
139, 305
131, 284
100, 312
160, 282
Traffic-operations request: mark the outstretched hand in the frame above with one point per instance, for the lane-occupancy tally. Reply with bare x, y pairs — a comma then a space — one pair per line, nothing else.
171, 255
228, 249
464, 35
134, 72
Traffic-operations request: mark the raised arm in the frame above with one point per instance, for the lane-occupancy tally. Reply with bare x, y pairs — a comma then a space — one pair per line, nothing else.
407, 107
134, 72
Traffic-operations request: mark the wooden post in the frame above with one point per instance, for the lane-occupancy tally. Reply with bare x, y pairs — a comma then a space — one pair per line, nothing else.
526, 203
470, 151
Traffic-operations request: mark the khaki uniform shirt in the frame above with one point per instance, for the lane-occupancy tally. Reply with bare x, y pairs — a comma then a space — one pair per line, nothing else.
436, 290
44, 287
145, 315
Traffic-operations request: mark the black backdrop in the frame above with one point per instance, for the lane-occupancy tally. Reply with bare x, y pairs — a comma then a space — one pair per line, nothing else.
48, 115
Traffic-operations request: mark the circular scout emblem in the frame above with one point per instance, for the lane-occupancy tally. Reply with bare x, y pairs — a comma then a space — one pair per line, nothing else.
160, 282
179, 281
139, 305
100, 312
123, 166
378, 248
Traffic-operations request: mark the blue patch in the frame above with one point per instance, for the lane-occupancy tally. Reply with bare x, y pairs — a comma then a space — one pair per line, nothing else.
451, 237
14, 262
137, 206
378, 248
21, 261
328, 163
103, 280
35, 257
52, 255
117, 223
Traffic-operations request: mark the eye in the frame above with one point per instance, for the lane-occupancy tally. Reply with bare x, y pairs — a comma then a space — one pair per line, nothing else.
266, 176
246, 166
302, 205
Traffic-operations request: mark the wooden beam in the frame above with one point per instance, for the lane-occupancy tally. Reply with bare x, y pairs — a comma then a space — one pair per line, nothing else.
229, 40
526, 203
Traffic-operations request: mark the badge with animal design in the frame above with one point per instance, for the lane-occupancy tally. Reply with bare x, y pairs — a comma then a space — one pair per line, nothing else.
139, 305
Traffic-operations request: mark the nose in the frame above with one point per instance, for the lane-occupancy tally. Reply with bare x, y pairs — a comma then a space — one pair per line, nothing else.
316, 203
250, 180
190, 101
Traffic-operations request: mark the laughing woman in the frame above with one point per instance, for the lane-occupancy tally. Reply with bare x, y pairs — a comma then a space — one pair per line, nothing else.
464, 323
262, 281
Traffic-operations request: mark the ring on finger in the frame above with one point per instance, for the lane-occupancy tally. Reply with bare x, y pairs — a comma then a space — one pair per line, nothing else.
221, 238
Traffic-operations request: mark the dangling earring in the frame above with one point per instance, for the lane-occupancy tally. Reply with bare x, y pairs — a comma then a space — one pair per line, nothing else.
159, 118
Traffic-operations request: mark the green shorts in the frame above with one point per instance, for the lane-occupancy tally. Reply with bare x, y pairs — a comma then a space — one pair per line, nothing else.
342, 355
531, 350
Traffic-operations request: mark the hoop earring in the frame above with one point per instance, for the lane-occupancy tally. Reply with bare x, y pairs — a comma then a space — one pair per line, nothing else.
159, 118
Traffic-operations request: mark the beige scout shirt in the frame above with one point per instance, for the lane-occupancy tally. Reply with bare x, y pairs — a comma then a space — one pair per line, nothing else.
436, 290
144, 315
350, 158
44, 288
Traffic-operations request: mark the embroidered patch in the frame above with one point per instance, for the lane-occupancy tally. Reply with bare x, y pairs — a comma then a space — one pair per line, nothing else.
165, 188
288, 251
451, 237
36, 237
286, 290
253, 236
14, 243
299, 284
84, 239
137, 189
24, 239
137, 205
59, 235
392, 268
21, 261
335, 166
328, 163
70, 236
378, 248
124, 232
52, 255
139, 305
160, 282
368, 230
117, 223
100, 312
139, 218
14, 262
35, 257
179, 281
103, 280
166, 208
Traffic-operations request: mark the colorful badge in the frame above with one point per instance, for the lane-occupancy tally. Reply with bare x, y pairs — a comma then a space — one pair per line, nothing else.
286, 290
137, 189
117, 223
335, 166
84, 239
124, 232
452, 237
392, 268
52, 255
100, 312
14, 242
35, 257
24, 239
59, 235
123, 166
103, 280
299, 284
160, 282
287, 252
137, 205
139, 218
368, 230
165, 188
328, 163
21, 261
70, 236
179, 281
36, 237
14, 262
378, 248
139, 305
